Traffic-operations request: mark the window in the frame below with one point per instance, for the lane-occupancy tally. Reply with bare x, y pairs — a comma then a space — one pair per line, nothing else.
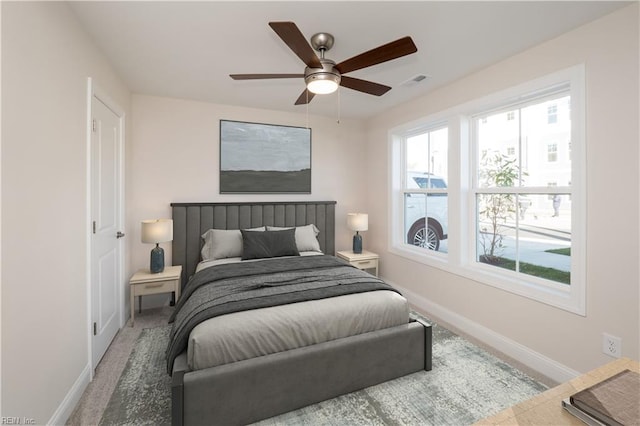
552, 152
523, 222
507, 209
552, 114
425, 189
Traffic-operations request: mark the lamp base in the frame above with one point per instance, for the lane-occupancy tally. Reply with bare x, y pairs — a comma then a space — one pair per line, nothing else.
157, 260
357, 243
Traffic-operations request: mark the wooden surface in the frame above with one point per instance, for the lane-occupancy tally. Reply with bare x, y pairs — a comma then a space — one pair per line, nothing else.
364, 260
546, 408
144, 283
144, 275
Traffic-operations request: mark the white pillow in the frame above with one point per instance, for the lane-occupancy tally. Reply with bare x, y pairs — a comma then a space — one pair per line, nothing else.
223, 243
305, 237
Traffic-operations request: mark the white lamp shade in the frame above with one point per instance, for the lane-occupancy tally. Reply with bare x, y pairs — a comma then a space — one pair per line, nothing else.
157, 231
358, 221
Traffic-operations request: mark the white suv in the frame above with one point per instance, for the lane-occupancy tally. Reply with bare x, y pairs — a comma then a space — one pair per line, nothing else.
426, 222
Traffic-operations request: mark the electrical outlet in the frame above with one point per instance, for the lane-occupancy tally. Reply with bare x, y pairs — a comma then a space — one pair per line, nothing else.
611, 345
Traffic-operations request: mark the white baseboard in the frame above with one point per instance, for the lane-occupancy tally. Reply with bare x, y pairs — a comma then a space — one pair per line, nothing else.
70, 401
532, 359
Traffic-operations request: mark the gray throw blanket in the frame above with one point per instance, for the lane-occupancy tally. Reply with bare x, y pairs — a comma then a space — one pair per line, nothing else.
235, 287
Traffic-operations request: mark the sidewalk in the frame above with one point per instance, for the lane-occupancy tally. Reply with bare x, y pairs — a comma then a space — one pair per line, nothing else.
540, 232
532, 251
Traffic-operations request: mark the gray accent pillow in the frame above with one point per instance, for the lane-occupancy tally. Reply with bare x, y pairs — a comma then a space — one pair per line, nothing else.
223, 243
306, 237
258, 245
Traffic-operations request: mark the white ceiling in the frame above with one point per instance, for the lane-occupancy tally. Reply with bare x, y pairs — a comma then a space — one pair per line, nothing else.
188, 49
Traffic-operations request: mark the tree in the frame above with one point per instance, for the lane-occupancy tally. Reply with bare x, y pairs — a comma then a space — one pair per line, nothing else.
494, 210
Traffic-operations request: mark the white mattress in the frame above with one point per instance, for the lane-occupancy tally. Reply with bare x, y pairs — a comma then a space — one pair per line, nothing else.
243, 335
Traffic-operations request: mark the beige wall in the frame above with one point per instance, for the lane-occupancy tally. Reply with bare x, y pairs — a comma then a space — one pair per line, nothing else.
609, 49
176, 158
46, 59
172, 155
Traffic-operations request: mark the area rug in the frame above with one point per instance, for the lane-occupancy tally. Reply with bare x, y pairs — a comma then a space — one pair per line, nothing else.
465, 385
143, 393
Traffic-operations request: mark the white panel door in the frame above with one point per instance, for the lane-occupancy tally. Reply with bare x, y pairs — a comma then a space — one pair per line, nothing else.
105, 241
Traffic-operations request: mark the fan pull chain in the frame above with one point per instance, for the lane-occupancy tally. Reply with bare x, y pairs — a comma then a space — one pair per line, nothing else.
307, 107
338, 121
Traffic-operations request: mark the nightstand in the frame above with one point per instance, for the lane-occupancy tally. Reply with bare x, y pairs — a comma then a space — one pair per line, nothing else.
365, 260
144, 283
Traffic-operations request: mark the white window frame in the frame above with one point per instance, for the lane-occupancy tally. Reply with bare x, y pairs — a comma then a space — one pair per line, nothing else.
432, 127
397, 154
461, 259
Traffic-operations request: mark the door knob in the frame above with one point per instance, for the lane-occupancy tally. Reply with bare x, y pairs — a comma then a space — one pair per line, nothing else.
119, 234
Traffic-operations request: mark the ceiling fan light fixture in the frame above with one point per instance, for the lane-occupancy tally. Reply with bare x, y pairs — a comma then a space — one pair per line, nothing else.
323, 84
322, 81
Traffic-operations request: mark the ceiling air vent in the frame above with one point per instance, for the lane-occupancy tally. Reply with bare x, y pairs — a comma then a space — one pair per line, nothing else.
415, 80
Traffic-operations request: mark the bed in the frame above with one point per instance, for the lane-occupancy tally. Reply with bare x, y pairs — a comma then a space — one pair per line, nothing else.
254, 387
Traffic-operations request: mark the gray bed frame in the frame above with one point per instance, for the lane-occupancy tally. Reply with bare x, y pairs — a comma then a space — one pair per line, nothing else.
255, 389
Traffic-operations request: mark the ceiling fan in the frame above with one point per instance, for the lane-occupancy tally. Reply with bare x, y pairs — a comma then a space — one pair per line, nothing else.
323, 75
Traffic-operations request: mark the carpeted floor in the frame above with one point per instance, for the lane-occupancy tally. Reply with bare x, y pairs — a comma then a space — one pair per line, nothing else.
466, 384
91, 406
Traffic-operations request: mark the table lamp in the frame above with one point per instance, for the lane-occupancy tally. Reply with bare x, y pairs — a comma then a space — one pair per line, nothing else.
357, 222
157, 231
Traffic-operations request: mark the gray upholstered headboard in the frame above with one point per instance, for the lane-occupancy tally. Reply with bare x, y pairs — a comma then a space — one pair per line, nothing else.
191, 220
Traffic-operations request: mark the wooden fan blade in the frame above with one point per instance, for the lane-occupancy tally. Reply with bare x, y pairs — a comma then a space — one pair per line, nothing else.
263, 76
305, 97
364, 86
384, 53
291, 35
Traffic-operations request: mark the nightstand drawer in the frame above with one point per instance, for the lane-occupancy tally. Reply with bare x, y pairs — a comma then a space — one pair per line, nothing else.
365, 264
142, 289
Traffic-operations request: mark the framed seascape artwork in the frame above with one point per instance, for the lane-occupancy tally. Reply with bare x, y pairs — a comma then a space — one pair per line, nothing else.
264, 158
